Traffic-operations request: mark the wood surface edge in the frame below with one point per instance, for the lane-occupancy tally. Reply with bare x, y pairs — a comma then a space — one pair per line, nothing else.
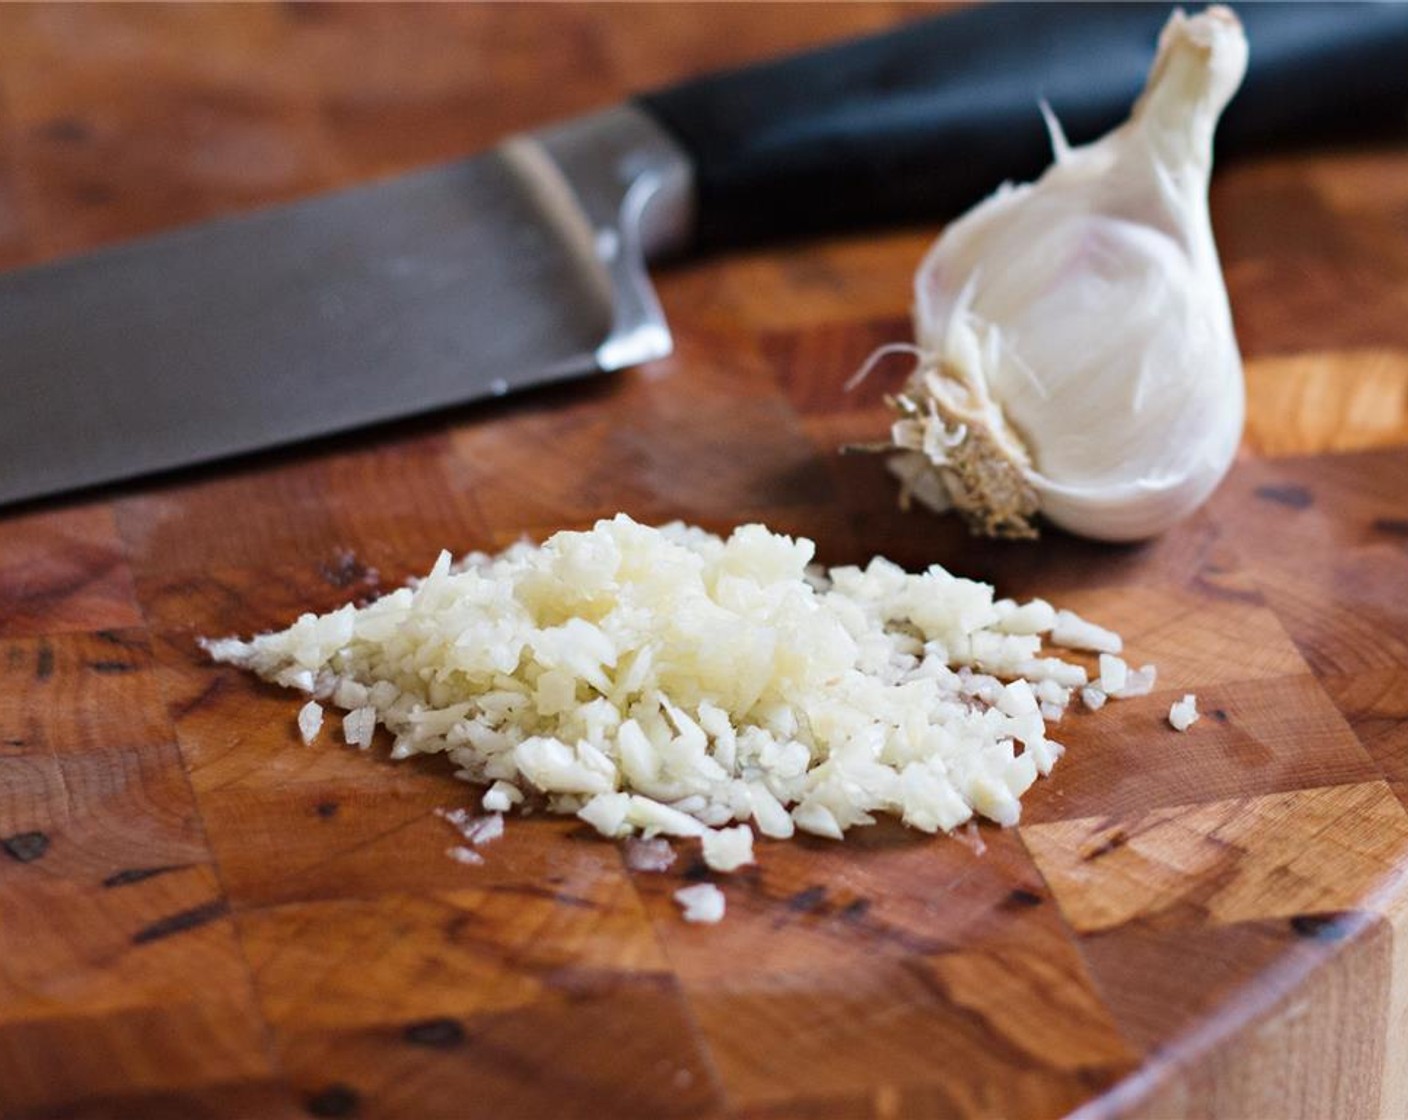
1300, 1046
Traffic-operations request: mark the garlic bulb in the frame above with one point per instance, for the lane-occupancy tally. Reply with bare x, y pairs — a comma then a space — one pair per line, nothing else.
1076, 351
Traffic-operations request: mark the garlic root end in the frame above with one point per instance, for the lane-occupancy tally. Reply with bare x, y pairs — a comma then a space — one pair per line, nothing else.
973, 454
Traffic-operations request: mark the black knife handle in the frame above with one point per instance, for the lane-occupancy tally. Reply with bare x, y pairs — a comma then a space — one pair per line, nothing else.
920, 122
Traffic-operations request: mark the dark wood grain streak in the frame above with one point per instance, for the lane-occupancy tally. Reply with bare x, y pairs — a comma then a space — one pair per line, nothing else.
137, 875
181, 921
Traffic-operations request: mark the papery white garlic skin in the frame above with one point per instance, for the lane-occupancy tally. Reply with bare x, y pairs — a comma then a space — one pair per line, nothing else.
1085, 314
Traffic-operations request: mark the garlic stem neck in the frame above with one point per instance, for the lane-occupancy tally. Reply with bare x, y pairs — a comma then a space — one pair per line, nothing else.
1199, 65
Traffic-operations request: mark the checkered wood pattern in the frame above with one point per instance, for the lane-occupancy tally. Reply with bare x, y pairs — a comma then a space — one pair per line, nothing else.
201, 917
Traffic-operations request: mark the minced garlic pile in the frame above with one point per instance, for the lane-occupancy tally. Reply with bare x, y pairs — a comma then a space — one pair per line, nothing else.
666, 681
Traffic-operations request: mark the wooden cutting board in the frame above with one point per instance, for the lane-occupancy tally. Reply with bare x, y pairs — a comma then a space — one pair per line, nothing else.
201, 917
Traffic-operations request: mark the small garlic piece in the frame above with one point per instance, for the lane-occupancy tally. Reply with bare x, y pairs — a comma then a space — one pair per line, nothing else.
358, 727
310, 720
1184, 713
728, 849
702, 902
1076, 351
1114, 674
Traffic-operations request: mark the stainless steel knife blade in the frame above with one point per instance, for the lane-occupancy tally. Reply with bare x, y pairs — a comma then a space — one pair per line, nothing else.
521, 266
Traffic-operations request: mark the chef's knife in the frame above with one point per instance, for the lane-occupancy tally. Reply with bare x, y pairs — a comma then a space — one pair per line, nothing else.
527, 264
